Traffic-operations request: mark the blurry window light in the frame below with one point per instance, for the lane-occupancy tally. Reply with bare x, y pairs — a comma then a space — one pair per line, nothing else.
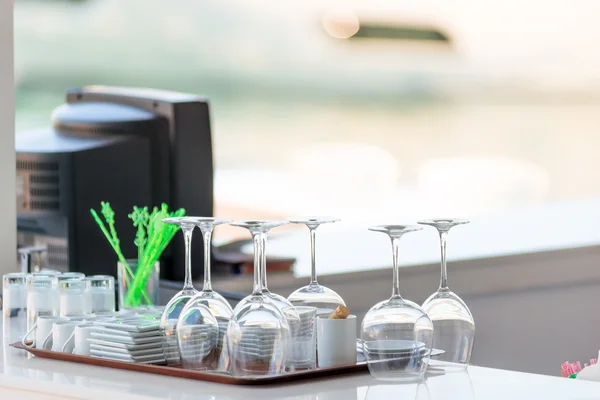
341, 24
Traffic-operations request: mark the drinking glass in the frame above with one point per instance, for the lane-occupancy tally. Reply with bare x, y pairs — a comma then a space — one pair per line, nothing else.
194, 313
75, 297
42, 298
168, 320
315, 295
130, 297
102, 292
454, 326
397, 335
258, 334
303, 353
14, 307
14, 294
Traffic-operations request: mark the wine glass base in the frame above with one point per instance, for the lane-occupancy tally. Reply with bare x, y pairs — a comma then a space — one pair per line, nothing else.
447, 366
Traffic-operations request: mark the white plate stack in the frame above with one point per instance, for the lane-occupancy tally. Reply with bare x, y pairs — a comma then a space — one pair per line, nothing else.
132, 340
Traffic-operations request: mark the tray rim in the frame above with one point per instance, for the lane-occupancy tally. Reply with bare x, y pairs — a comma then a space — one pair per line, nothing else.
197, 375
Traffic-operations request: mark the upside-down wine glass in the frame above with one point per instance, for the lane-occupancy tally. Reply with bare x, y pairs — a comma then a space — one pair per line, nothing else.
454, 326
284, 305
258, 334
397, 334
191, 327
170, 316
313, 294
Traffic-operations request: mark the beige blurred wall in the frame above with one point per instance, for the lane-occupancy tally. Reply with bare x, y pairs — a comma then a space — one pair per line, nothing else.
7, 141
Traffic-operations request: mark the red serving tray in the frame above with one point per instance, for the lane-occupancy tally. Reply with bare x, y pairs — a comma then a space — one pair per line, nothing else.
360, 367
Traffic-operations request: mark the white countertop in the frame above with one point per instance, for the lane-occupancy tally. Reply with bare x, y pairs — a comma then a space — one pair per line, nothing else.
24, 378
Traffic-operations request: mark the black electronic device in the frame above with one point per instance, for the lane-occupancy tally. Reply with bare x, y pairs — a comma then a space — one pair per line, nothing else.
122, 145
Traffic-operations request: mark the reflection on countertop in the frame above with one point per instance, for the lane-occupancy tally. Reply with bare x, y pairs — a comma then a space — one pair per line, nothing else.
20, 373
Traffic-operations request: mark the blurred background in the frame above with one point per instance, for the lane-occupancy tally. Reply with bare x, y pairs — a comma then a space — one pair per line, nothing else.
384, 111
371, 112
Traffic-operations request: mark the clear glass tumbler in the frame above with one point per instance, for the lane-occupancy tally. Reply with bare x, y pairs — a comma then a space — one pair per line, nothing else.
42, 298
102, 290
125, 276
75, 297
14, 294
303, 353
14, 306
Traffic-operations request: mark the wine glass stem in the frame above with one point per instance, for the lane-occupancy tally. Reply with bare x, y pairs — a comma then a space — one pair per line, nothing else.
206, 235
187, 238
313, 264
259, 239
444, 278
396, 280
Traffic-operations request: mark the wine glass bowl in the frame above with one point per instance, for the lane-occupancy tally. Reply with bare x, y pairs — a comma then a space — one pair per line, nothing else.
396, 334
198, 338
397, 339
454, 326
454, 329
315, 295
258, 337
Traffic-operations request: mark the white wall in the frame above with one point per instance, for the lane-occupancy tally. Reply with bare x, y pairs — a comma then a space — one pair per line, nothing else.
8, 217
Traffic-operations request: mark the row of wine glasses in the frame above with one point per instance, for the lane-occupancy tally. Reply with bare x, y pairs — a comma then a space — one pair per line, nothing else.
203, 332
398, 335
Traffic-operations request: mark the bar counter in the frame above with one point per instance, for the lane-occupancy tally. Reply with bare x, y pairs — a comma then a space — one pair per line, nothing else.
34, 378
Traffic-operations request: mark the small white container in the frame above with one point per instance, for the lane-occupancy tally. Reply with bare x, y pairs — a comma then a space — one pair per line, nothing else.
336, 341
43, 332
79, 339
61, 332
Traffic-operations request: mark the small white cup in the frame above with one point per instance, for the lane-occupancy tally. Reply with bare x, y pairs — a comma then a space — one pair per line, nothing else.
61, 331
79, 339
336, 341
43, 332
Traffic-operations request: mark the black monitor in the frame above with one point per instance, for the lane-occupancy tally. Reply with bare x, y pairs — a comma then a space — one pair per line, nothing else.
126, 146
